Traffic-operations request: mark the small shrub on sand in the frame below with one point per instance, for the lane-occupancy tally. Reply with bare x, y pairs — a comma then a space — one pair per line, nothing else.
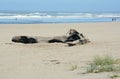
114, 76
73, 67
103, 64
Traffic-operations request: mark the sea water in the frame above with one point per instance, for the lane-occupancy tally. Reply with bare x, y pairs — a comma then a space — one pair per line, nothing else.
37, 17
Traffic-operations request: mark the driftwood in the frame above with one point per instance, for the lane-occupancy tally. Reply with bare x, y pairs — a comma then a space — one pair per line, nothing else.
72, 39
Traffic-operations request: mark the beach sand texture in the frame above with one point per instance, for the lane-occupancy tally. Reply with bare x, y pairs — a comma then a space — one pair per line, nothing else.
55, 61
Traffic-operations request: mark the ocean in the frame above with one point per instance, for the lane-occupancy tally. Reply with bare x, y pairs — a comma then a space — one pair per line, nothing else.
37, 17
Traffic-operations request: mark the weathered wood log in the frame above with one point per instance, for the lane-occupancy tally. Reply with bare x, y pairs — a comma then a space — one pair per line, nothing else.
72, 39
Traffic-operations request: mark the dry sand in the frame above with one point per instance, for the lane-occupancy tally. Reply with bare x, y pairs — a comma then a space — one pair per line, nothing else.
55, 61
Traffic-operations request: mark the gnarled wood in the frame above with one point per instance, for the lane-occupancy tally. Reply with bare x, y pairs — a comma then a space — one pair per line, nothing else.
72, 39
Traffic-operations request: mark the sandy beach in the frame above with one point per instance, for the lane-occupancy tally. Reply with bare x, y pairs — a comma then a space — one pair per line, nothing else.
55, 61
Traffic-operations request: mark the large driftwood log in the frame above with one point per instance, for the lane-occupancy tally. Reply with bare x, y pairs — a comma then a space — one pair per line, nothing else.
73, 38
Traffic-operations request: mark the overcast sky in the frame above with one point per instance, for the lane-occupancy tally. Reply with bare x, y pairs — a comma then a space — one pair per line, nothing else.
61, 5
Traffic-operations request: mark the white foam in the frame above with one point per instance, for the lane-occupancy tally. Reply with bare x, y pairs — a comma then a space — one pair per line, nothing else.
57, 15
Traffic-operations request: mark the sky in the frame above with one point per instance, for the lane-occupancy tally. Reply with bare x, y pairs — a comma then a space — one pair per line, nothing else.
61, 5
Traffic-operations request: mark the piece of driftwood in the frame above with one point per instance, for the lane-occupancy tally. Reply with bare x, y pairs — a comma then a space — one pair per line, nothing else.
71, 39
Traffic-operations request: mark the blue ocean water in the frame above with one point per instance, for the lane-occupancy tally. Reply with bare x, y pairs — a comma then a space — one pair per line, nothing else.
36, 17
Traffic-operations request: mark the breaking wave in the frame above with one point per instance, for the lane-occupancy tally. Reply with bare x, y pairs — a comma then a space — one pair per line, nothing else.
55, 16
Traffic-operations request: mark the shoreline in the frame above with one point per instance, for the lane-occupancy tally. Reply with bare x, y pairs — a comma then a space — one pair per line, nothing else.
64, 22
57, 17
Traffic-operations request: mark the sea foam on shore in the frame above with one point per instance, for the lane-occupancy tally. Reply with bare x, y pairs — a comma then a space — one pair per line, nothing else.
15, 17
